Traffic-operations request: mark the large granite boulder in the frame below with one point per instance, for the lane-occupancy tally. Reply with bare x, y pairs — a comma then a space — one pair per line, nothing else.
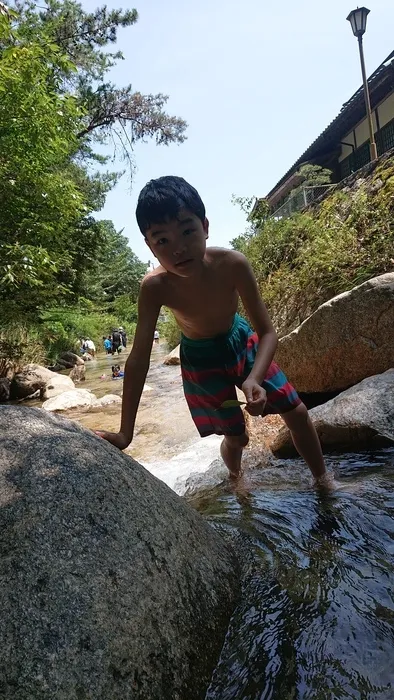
57, 384
71, 358
361, 417
32, 378
345, 340
74, 398
111, 586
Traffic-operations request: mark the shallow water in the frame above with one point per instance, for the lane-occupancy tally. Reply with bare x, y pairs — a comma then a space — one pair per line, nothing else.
315, 620
316, 614
163, 426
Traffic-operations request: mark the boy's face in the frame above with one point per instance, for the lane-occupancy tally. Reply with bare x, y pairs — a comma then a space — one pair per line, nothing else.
179, 244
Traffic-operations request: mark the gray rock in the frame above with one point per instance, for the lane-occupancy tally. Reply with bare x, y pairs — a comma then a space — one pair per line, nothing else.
111, 586
30, 378
74, 398
5, 386
34, 377
57, 384
71, 358
216, 474
78, 373
361, 417
347, 339
106, 400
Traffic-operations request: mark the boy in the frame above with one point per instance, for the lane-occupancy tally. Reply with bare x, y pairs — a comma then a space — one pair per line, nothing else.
218, 349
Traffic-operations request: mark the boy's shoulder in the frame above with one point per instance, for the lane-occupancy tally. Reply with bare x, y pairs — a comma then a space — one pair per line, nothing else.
224, 256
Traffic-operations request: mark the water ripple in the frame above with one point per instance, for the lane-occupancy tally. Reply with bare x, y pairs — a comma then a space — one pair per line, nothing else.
316, 615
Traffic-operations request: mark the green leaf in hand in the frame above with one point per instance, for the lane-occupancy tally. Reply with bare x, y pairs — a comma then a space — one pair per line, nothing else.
231, 403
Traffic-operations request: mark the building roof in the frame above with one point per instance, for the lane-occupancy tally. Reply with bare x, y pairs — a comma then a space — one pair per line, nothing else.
381, 82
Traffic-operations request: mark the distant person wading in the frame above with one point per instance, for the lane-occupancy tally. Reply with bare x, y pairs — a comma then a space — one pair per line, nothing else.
116, 342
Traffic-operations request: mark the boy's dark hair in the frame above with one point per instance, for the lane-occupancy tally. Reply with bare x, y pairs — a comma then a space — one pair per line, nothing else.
161, 200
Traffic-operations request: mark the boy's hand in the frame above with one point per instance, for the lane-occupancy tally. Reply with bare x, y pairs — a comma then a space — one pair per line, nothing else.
118, 439
256, 397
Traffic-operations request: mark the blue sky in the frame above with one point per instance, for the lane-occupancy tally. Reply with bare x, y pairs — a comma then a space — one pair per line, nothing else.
256, 81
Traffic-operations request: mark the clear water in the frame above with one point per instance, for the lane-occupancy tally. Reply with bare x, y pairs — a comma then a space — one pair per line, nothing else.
316, 614
315, 619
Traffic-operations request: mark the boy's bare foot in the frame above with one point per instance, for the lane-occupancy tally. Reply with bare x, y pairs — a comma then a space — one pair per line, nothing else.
231, 456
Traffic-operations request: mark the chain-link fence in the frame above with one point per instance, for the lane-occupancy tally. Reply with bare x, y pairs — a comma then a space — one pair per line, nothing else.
303, 198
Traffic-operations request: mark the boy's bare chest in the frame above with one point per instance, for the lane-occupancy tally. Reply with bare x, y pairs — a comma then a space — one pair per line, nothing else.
201, 297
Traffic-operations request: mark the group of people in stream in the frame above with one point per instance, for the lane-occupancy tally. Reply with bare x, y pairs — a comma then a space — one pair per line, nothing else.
219, 349
114, 343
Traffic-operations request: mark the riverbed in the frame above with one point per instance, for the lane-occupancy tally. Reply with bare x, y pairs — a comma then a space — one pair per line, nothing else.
315, 620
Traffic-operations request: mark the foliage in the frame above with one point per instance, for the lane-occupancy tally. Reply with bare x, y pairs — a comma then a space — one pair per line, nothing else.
56, 106
302, 261
117, 272
22, 343
169, 329
62, 328
109, 114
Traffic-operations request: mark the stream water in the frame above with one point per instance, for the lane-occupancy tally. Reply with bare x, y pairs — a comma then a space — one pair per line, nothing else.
315, 619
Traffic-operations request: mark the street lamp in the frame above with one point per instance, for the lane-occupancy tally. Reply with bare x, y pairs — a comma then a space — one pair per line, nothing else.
358, 21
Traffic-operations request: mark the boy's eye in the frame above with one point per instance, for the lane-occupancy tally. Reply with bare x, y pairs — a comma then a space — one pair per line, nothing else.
162, 241
188, 231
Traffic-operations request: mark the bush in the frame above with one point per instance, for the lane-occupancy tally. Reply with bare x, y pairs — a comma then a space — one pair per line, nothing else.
303, 261
19, 346
62, 328
170, 330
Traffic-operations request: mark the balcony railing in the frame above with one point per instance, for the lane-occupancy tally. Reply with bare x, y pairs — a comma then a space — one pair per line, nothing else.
302, 199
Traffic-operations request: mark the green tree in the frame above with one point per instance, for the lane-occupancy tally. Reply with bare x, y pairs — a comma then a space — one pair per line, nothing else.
117, 272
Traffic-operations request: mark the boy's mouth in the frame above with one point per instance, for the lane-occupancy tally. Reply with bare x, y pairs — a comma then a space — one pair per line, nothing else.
184, 262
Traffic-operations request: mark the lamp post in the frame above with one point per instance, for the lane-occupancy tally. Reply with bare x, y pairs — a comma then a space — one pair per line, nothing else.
358, 21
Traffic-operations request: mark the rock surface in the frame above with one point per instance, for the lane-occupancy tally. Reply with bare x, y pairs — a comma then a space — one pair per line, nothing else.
74, 398
173, 357
5, 388
78, 373
111, 587
347, 339
106, 400
361, 417
34, 377
57, 384
71, 358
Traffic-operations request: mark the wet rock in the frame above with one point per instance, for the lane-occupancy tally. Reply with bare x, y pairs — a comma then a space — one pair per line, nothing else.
71, 358
197, 482
173, 357
78, 373
5, 387
347, 339
58, 367
361, 417
112, 587
106, 400
74, 398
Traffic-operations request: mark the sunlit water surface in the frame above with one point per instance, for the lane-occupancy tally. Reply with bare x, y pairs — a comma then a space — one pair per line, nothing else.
315, 619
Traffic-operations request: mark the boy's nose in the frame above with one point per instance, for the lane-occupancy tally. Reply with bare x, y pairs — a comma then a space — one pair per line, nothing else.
179, 251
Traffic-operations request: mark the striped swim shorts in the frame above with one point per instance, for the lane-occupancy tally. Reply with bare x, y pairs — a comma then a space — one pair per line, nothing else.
213, 367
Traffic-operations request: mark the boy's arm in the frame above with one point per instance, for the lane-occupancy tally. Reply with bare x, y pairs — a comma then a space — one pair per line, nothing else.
249, 292
137, 364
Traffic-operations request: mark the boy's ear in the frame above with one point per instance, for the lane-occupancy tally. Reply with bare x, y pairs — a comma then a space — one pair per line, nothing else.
206, 227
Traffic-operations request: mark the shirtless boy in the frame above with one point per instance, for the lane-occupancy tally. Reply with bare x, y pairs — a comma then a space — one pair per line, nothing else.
219, 350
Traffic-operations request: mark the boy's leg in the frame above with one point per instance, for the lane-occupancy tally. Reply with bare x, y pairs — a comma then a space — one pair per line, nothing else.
306, 439
231, 450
